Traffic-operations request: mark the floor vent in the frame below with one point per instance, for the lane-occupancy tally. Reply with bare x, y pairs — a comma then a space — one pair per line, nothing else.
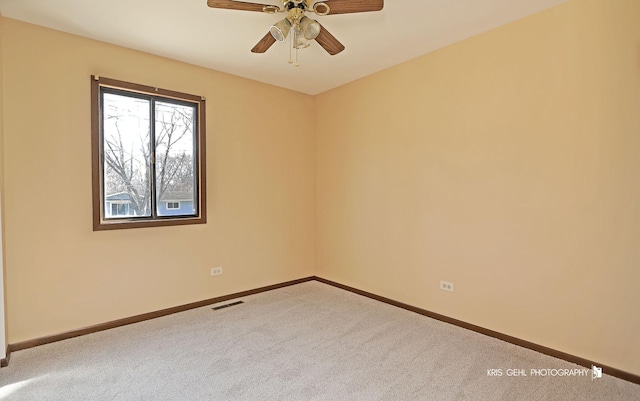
227, 305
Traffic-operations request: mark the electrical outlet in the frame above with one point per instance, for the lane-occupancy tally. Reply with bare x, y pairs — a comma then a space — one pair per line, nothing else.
447, 286
216, 271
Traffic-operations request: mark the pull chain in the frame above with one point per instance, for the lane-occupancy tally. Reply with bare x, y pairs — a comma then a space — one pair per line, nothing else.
290, 46
295, 40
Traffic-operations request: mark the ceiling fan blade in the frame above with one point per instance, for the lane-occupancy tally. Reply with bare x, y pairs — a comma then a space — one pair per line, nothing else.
237, 5
329, 42
264, 44
353, 6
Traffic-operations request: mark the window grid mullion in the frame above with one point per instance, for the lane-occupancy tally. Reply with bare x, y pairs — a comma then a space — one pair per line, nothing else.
152, 154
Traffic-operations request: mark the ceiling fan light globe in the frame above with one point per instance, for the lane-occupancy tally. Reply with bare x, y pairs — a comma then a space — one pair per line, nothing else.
310, 28
302, 45
280, 30
299, 40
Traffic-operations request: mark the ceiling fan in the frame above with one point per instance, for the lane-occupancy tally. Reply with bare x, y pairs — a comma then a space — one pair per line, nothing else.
304, 28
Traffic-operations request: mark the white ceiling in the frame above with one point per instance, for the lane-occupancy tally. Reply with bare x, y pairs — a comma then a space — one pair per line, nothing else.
189, 31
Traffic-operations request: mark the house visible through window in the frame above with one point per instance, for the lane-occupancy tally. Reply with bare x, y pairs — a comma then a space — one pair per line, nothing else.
148, 156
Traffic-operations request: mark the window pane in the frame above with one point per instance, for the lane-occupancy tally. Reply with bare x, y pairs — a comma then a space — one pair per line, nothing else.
127, 160
175, 168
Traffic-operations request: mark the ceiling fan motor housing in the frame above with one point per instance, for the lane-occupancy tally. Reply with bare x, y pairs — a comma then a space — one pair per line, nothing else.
291, 5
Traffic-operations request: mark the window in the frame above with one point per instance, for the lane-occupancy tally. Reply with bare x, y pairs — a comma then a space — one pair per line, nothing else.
119, 209
148, 149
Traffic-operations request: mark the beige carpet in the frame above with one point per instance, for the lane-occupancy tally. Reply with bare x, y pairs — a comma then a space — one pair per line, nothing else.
305, 342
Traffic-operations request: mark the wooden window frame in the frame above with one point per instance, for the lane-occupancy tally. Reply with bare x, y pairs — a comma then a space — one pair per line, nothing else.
97, 159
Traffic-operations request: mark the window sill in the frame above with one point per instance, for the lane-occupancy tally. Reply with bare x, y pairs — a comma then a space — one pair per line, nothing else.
125, 224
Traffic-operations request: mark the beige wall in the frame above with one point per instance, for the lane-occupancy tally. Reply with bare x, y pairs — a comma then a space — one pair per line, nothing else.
507, 163
260, 191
